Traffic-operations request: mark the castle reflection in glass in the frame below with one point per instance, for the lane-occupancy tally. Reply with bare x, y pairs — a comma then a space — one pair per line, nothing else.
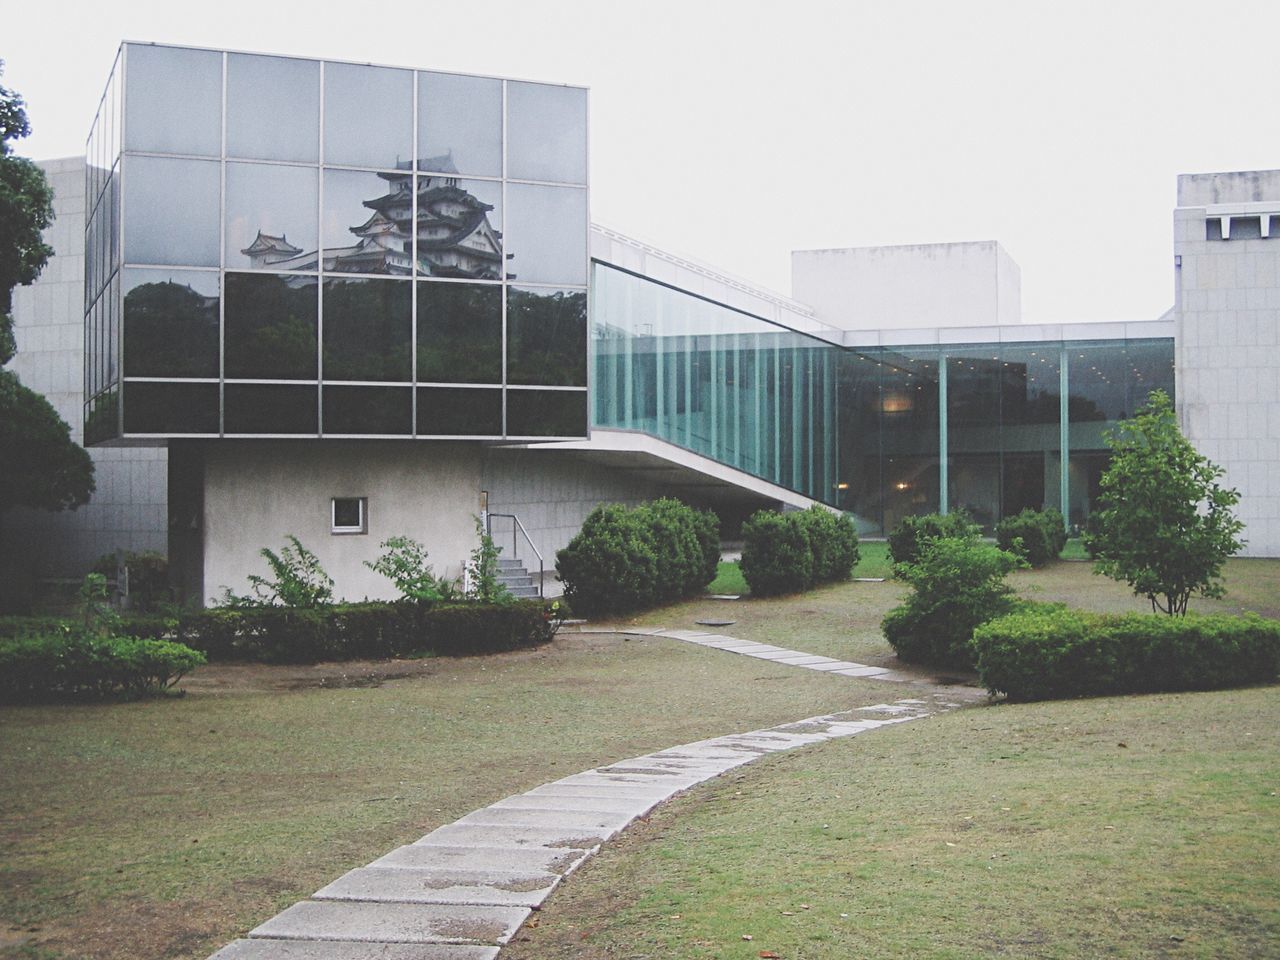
283, 247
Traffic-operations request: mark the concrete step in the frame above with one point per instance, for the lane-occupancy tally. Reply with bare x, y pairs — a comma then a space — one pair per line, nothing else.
529, 591
509, 562
516, 580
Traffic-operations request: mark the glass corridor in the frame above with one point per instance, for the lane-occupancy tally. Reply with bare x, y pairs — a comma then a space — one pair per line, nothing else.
881, 432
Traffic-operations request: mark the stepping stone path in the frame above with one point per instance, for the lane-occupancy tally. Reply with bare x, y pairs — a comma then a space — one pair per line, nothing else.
463, 891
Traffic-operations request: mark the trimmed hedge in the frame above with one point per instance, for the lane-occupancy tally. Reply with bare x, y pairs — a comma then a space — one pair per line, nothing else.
74, 663
790, 552
957, 585
623, 560
909, 537
1044, 653
1037, 536
369, 630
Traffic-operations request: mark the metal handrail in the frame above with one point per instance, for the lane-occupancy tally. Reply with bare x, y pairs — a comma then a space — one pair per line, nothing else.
517, 525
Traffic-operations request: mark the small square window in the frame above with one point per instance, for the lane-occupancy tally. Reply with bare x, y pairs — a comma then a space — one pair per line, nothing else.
350, 515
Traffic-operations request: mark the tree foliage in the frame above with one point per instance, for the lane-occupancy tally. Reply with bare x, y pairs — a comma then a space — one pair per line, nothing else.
1166, 525
26, 208
40, 466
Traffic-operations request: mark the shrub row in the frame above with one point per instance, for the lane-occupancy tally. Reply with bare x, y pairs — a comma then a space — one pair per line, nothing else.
911, 534
627, 559
366, 630
789, 552
957, 585
74, 663
1044, 652
1037, 536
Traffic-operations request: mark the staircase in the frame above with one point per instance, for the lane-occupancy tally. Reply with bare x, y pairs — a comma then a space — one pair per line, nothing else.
518, 581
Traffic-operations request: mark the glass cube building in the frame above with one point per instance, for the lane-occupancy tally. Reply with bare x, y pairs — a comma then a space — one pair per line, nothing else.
285, 247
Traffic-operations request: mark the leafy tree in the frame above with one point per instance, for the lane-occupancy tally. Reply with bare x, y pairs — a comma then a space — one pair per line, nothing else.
40, 466
1166, 525
26, 208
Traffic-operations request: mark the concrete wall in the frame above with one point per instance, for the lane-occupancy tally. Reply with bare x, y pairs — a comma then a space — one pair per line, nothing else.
1227, 344
127, 510
552, 492
927, 285
258, 492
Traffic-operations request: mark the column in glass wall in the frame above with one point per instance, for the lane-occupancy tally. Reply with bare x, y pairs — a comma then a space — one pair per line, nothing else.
1030, 404
910, 429
973, 433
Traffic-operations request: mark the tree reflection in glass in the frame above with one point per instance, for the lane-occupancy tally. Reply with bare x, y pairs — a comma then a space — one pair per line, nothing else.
170, 323
459, 333
367, 330
270, 327
547, 337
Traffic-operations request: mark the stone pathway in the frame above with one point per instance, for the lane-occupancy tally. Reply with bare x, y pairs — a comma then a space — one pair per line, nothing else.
463, 891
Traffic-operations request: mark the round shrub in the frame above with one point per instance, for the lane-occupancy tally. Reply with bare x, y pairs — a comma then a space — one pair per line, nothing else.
776, 553
673, 530
956, 585
1037, 536
909, 537
610, 566
833, 541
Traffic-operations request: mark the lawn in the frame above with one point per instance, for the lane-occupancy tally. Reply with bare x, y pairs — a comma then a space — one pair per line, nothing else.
1129, 827
166, 827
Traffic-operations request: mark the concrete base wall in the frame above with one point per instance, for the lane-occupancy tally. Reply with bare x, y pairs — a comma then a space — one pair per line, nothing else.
257, 493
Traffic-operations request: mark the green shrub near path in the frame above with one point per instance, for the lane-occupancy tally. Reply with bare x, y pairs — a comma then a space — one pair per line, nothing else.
908, 538
790, 552
74, 663
1037, 536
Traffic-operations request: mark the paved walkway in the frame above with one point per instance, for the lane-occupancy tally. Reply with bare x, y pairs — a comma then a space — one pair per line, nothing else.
463, 890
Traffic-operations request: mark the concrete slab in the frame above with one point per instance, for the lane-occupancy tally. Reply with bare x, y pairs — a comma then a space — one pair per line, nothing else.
393, 923
595, 790
836, 665
682, 634
803, 660
525, 801
862, 672
634, 785
269, 949
515, 860
400, 885
475, 835
770, 654
573, 822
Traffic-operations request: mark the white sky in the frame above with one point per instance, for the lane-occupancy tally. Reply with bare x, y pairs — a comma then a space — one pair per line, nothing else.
735, 132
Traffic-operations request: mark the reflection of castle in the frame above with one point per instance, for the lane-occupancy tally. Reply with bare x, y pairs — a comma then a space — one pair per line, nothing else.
455, 238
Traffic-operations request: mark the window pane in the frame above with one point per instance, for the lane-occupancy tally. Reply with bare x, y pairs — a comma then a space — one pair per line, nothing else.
175, 100
271, 217
170, 323
367, 330
547, 337
546, 239
974, 381
171, 211
171, 408
459, 412
270, 327
547, 413
368, 115
269, 408
368, 410
367, 222
101, 419
547, 130
273, 108
460, 124
459, 333
460, 228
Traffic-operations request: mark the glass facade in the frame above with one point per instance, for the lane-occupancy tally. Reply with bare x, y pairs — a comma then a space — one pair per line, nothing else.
881, 432
284, 246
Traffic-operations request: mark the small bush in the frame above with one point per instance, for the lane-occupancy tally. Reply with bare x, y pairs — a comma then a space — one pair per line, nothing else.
404, 563
909, 537
777, 555
834, 543
1037, 536
148, 578
297, 580
75, 663
624, 560
957, 585
1047, 653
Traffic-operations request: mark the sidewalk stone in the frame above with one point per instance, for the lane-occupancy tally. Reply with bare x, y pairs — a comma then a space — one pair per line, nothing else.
497, 859
394, 923
266, 949
400, 885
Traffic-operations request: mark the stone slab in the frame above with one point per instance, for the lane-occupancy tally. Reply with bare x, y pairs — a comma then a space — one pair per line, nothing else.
770, 654
596, 790
836, 665
804, 660
393, 923
862, 672
401, 885
516, 860
549, 801
269, 949
682, 634
573, 822
476, 835
634, 785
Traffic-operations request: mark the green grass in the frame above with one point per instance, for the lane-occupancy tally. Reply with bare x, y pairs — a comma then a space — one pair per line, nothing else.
165, 827
728, 579
873, 562
1139, 827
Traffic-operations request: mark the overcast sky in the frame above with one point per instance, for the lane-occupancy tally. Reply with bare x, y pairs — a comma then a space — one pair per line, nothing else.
735, 132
